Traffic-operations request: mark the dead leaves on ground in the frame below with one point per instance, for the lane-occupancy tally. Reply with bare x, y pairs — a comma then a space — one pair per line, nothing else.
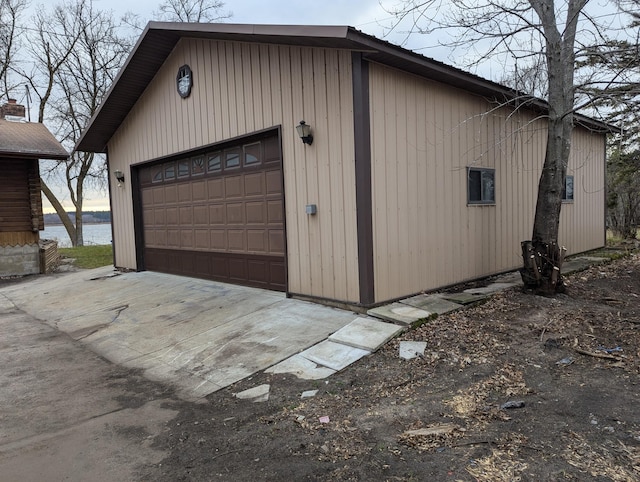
602, 461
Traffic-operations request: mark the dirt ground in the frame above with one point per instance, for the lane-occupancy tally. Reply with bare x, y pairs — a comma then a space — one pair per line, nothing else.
569, 364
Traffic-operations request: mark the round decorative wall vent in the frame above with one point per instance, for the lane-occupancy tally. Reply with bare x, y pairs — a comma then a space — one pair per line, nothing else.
184, 81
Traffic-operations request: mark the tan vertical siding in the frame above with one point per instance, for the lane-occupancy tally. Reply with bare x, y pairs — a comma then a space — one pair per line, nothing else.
581, 222
424, 136
243, 88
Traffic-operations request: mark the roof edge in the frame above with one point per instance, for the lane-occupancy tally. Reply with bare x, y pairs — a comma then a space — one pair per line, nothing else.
159, 38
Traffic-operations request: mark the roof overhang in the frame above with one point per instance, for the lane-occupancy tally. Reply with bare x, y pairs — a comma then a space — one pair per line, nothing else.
159, 38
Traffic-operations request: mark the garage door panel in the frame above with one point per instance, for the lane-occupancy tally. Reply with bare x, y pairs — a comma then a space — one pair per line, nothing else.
160, 237
257, 241
217, 214
186, 239
184, 192
253, 270
276, 241
218, 239
158, 196
171, 216
159, 217
149, 237
255, 213
275, 211
147, 217
147, 197
186, 216
273, 182
224, 221
235, 213
220, 267
258, 271
237, 269
201, 238
233, 187
170, 194
236, 240
254, 184
215, 189
277, 272
202, 266
173, 238
199, 191
201, 215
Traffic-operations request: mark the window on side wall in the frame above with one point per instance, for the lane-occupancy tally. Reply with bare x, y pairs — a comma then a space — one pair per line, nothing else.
567, 189
481, 186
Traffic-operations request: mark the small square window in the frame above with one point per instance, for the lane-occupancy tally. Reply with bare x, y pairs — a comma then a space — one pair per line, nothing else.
169, 171
214, 164
197, 166
183, 169
567, 189
232, 159
156, 174
251, 154
481, 186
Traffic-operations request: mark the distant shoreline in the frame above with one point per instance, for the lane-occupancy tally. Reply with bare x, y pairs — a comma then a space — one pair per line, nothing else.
84, 223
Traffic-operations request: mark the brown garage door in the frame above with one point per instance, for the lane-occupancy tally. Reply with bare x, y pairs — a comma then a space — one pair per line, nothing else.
217, 215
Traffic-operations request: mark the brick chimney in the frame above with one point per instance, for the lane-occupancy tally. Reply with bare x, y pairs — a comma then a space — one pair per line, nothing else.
12, 111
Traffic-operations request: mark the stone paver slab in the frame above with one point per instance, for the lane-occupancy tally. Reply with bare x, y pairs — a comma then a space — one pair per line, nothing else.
412, 349
464, 298
255, 394
334, 355
399, 313
433, 303
581, 263
366, 333
490, 289
302, 368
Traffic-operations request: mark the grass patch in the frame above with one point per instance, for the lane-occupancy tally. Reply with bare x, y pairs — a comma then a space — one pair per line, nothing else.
88, 257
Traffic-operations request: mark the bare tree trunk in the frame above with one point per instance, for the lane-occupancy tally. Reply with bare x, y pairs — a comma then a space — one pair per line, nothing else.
62, 214
542, 256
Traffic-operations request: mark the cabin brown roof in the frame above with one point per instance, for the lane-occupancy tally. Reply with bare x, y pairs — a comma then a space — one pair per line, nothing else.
29, 140
159, 39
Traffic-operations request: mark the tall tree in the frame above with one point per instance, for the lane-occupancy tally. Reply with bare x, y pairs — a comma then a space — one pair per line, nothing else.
198, 11
523, 31
623, 192
10, 32
191, 11
75, 51
72, 54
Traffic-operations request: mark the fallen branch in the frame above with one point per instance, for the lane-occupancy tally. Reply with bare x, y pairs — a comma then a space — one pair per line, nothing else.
439, 429
606, 356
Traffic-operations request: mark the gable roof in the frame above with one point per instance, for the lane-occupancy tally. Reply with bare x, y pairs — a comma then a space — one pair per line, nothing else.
29, 140
159, 38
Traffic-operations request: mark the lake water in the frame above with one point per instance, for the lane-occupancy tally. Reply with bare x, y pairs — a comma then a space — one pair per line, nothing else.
93, 234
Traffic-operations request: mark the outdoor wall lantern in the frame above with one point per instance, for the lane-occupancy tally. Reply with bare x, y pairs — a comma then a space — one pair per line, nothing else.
304, 131
119, 176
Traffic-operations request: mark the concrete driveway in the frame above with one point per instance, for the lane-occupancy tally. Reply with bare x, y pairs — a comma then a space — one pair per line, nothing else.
197, 335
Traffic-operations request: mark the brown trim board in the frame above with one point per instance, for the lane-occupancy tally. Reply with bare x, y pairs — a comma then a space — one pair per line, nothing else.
364, 209
138, 223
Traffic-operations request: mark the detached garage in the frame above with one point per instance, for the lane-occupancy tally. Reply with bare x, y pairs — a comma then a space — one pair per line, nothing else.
405, 175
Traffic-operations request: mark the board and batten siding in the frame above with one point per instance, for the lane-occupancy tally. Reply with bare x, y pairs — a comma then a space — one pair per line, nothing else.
424, 137
242, 88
